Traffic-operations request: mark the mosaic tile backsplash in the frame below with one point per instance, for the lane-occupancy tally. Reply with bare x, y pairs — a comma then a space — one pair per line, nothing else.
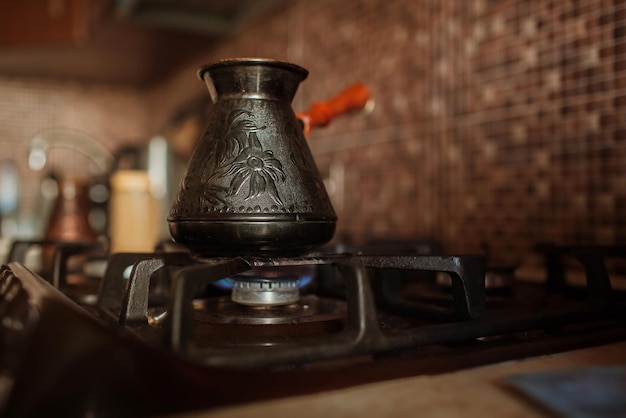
497, 123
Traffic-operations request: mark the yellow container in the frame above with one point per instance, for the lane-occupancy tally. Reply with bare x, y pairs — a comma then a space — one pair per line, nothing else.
133, 225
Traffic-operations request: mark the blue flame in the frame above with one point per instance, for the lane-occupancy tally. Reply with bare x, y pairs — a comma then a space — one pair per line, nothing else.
302, 274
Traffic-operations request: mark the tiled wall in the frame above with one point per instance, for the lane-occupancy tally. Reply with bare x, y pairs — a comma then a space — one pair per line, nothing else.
497, 122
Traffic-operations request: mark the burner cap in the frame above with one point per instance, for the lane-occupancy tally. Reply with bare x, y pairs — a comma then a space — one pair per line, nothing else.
268, 285
264, 292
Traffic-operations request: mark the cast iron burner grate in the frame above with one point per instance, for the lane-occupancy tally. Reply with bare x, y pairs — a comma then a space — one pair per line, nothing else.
127, 303
362, 333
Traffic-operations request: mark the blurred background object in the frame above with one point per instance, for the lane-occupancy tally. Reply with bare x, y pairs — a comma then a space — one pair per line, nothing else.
164, 157
132, 212
80, 166
9, 197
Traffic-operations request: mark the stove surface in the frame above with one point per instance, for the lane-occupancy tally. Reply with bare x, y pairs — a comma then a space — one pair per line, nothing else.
159, 337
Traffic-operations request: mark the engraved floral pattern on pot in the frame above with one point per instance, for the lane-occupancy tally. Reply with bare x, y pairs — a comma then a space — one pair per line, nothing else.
240, 124
258, 168
239, 153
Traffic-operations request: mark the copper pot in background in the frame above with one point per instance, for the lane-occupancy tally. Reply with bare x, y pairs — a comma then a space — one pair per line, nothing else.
69, 219
76, 161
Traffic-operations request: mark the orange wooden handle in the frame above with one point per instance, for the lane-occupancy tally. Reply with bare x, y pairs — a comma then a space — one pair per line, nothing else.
354, 97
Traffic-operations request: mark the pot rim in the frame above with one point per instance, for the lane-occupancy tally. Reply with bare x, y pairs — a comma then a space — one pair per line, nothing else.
231, 62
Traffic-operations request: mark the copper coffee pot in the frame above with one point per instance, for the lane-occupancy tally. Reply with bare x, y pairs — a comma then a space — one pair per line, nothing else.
251, 185
69, 217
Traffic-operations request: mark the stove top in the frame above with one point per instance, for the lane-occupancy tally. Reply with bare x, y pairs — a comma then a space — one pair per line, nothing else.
167, 331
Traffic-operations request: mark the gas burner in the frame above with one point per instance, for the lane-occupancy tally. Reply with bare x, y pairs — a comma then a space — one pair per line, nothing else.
268, 286
221, 323
263, 292
307, 309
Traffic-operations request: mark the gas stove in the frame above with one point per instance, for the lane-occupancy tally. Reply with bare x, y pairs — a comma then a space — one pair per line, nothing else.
170, 331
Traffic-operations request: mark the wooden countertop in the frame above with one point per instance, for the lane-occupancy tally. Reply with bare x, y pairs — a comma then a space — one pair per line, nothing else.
476, 392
